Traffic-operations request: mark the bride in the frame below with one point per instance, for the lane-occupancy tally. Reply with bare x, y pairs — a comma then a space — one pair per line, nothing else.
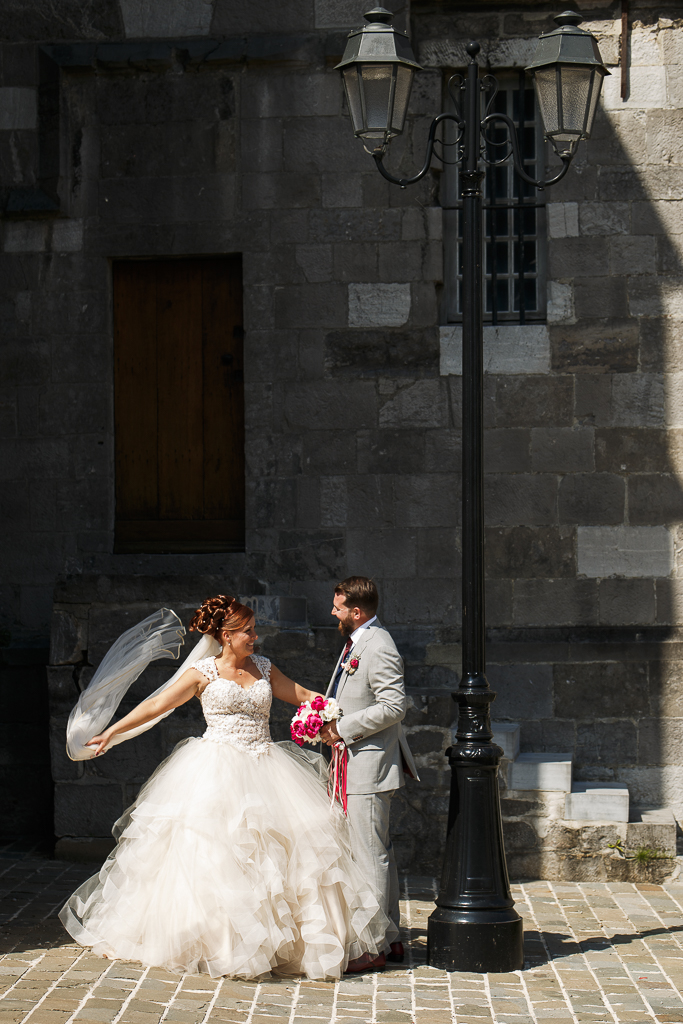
231, 861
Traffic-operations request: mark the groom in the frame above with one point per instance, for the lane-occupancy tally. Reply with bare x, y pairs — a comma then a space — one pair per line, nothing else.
368, 684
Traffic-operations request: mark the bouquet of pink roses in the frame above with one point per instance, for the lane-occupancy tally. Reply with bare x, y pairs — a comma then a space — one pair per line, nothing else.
310, 718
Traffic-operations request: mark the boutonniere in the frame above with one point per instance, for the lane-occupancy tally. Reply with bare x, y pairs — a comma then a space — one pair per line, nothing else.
352, 666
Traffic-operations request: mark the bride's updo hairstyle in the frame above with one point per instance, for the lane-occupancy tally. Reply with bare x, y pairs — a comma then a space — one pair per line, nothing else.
219, 613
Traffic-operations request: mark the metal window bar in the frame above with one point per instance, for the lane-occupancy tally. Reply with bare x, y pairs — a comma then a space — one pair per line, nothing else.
514, 218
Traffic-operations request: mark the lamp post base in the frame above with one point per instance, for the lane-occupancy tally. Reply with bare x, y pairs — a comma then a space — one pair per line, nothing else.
480, 942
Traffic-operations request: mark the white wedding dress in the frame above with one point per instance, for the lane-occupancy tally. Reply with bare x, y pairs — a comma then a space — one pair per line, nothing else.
232, 861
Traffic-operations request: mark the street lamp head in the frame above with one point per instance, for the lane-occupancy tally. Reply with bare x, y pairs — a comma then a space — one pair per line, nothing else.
377, 70
568, 73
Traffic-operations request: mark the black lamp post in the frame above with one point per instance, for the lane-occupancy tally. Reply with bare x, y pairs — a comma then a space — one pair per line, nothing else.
475, 926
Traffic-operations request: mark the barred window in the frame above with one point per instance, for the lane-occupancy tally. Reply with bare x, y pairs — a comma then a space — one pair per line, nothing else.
514, 216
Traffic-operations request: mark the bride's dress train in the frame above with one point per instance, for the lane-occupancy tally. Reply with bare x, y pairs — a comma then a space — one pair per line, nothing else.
231, 860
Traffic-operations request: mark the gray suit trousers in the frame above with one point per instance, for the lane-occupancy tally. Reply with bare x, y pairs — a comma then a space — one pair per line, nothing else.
374, 853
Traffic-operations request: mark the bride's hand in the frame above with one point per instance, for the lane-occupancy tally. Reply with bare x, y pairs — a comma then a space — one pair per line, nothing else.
99, 742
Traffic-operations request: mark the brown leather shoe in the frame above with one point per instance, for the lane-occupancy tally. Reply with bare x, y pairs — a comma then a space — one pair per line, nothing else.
397, 954
366, 962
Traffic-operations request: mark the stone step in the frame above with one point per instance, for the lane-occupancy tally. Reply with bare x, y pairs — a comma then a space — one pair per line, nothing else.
597, 801
550, 772
506, 735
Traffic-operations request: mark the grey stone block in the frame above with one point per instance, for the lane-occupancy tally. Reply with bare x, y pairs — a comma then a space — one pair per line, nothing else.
371, 500
600, 689
205, 197
610, 744
143, 19
391, 451
609, 345
634, 450
522, 691
562, 449
274, 455
311, 555
402, 262
593, 400
533, 401
386, 554
355, 225
499, 602
596, 498
325, 448
427, 500
638, 400
600, 296
271, 503
530, 552
666, 686
261, 144
370, 352
438, 553
529, 499
659, 741
355, 261
547, 772
633, 254
378, 305
507, 450
597, 801
443, 451
334, 404
311, 305
612, 218
25, 363
274, 190
655, 498
627, 602
420, 601
422, 404
568, 256
551, 735
554, 602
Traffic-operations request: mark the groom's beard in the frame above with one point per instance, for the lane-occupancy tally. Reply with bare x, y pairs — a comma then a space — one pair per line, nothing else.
346, 626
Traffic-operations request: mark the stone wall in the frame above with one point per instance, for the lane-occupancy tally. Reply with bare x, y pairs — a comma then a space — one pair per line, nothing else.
224, 131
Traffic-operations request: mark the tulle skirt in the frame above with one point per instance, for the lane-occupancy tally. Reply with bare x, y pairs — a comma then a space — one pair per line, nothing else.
231, 865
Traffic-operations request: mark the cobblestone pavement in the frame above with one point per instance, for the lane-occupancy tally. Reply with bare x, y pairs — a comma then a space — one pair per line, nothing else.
595, 953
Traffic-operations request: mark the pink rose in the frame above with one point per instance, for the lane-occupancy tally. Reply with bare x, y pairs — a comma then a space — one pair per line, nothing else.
298, 728
298, 742
318, 704
354, 662
315, 721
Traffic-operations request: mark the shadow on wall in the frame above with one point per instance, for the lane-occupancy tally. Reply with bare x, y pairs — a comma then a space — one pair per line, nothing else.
607, 675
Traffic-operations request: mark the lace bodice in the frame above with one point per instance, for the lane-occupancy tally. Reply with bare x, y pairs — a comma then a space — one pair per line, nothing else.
235, 715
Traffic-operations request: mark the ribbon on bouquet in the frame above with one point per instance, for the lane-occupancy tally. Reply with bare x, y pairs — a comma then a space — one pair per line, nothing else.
336, 785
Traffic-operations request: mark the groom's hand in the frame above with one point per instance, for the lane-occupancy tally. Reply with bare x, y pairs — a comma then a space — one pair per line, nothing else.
329, 734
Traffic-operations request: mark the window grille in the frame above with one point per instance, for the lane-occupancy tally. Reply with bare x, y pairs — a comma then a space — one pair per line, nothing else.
514, 216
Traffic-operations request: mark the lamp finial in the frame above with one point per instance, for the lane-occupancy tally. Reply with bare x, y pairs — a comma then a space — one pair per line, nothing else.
568, 18
379, 15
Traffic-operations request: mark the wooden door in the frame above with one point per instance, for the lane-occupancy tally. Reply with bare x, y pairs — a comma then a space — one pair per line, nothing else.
179, 405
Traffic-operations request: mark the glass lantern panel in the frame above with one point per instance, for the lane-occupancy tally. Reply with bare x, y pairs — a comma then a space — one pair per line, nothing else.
377, 87
595, 95
546, 90
404, 80
575, 83
352, 87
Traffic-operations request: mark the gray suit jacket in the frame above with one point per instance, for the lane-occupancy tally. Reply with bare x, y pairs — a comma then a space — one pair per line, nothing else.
373, 700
